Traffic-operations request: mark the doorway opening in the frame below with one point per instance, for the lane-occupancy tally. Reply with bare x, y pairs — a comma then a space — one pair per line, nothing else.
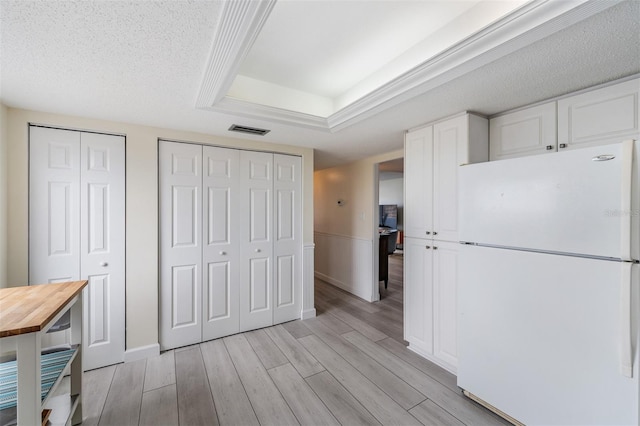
390, 206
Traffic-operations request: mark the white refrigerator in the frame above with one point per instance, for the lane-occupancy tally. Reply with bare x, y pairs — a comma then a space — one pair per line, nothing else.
549, 287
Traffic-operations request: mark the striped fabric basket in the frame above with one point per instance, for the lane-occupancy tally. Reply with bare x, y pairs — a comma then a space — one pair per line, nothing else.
52, 365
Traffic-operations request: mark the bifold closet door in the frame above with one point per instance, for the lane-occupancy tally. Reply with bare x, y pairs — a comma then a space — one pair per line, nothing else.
287, 246
230, 241
77, 229
221, 242
256, 249
180, 186
271, 251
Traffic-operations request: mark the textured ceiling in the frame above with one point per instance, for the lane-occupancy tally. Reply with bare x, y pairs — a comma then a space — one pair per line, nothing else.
143, 62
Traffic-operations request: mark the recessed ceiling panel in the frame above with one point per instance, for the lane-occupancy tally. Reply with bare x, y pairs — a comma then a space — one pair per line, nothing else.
317, 57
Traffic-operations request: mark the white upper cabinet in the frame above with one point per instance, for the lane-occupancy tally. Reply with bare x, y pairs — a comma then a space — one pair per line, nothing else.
526, 132
418, 183
599, 117
432, 157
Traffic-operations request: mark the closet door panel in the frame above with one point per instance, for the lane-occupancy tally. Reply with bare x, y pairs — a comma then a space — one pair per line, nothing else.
102, 223
77, 231
256, 248
54, 231
180, 199
221, 241
287, 237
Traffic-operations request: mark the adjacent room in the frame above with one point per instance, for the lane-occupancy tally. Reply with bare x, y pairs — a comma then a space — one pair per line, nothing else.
314, 212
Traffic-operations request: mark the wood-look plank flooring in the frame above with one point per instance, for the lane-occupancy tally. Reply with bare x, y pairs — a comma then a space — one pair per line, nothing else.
348, 366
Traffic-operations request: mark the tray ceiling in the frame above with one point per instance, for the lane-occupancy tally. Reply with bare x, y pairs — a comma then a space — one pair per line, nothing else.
365, 66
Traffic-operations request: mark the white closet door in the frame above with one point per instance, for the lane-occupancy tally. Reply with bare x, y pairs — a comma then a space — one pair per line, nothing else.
256, 249
54, 205
180, 198
77, 230
102, 260
287, 188
221, 239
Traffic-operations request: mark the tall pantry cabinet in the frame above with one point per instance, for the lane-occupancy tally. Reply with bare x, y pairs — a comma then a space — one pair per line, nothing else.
433, 154
230, 241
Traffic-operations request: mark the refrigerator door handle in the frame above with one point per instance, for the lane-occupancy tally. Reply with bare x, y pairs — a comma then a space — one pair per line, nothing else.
626, 355
625, 200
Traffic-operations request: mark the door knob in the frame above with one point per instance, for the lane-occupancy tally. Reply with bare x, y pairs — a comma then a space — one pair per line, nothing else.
103, 264
222, 253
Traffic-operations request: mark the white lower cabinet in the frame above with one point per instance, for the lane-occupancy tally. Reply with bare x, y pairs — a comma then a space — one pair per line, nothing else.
430, 300
230, 241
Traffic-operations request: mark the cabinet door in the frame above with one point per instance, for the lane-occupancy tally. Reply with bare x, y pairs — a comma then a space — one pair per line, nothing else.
287, 238
180, 185
256, 250
526, 132
418, 183
102, 262
445, 310
450, 149
418, 294
221, 242
599, 117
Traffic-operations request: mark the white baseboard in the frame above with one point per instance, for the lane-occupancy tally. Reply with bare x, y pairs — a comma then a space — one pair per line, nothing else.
330, 280
429, 357
309, 313
142, 352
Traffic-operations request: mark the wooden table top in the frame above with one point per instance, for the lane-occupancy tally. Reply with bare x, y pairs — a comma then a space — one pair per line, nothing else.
28, 309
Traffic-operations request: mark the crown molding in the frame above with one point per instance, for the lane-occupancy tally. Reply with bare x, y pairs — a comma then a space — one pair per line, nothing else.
528, 24
240, 23
524, 26
273, 114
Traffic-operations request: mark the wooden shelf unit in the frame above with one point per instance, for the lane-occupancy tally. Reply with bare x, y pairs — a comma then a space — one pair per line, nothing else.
25, 314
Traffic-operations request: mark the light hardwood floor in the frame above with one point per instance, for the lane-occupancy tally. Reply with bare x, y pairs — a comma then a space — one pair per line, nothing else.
348, 366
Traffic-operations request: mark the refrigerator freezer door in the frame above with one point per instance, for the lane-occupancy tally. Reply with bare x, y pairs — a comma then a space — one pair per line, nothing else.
571, 202
540, 336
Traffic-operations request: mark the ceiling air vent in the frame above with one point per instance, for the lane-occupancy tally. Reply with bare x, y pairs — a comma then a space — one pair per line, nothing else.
250, 130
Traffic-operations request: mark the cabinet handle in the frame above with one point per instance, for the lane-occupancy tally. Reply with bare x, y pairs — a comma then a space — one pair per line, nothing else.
223, 253
435, 248
549, 147
104, 264
563, 145
428, 233
257, 250
427, 247
435, 233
